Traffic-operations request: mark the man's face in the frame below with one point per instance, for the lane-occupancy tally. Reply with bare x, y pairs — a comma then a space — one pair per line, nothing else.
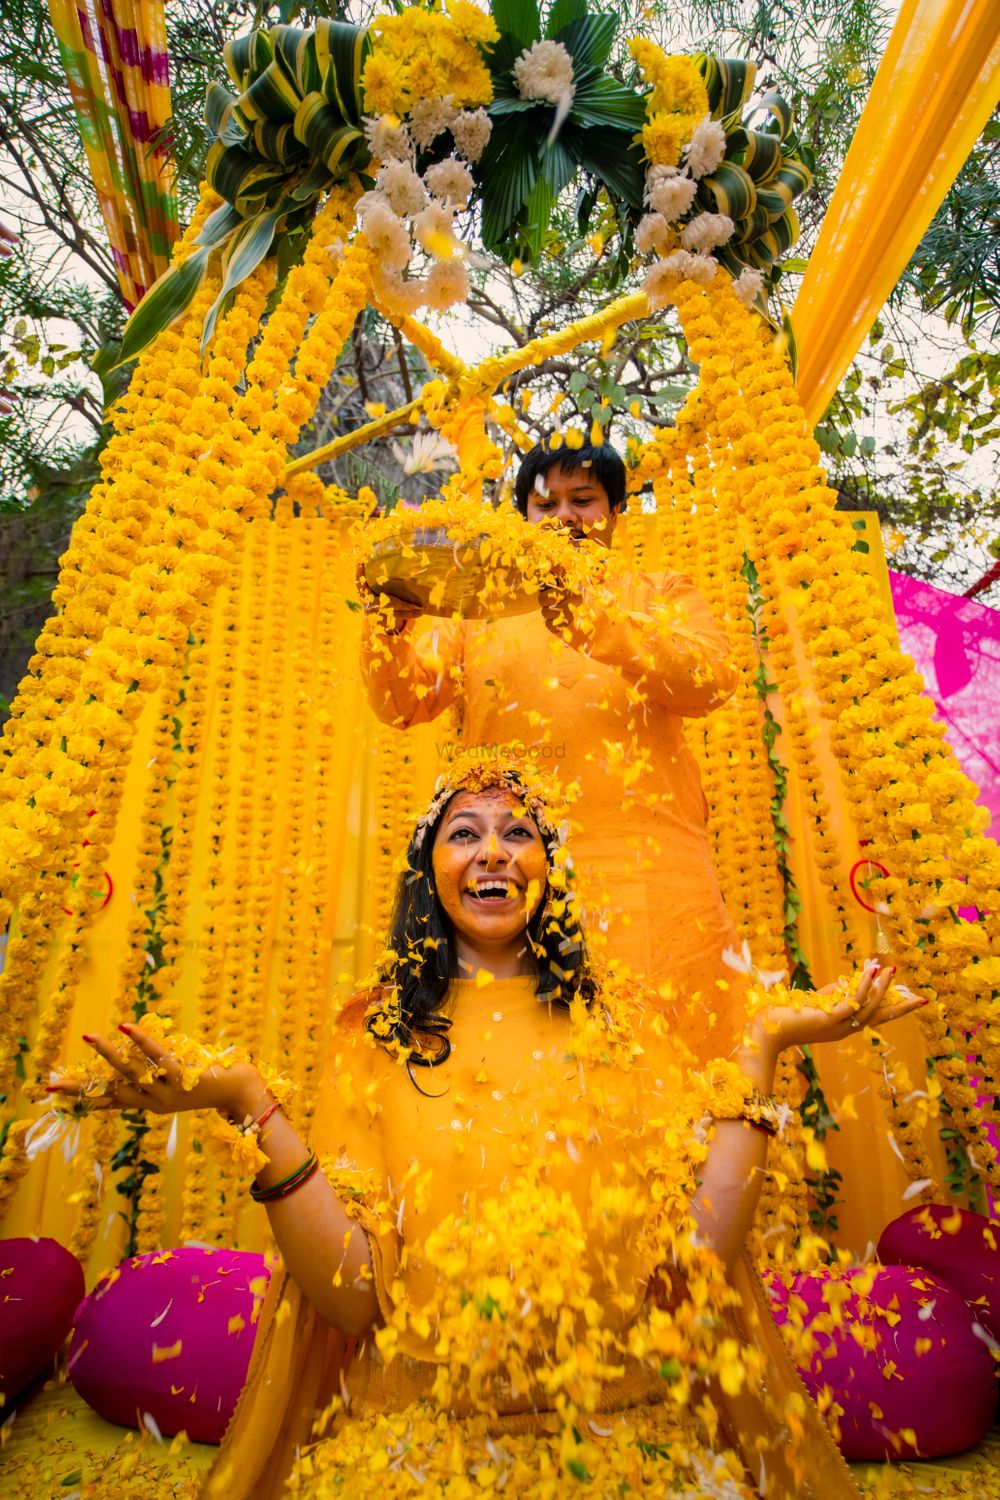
575, 499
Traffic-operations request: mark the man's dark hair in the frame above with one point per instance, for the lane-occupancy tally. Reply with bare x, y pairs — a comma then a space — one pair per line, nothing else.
605, 464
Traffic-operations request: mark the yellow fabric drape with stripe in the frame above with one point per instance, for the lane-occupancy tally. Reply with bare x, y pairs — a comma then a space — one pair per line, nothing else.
932, 96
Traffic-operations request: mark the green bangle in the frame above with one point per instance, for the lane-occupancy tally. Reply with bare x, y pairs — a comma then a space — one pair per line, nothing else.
288, 1184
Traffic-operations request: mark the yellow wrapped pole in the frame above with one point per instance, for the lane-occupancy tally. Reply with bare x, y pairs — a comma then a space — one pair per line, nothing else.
935, 89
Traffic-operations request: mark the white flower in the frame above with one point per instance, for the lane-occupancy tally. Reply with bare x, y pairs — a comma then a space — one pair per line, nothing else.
447, 283
707, 148
428, 450
388, 139
545, 71
749, 285
471, 129
672, 196
429, 117
663, 275
707, 231
401, 294
49, 1129
403, 188
743, 964
651, 233
435, 230
387, 237
450, 181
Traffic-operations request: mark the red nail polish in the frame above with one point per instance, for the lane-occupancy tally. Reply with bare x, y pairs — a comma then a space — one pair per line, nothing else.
89, 1039
875, 971
127, 1029
893, 969
52, 1088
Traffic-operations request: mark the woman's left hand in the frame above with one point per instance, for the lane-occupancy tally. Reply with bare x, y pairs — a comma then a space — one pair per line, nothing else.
152, 1079
778, 1027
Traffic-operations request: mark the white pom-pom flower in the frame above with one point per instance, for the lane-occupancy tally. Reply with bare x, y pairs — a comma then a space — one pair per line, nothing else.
389, 241
749, 285
651, 233
545, 71
435, 230
672, 197
450, 181
404, 189
388, 139
447, 283
707, 148
471, 129
707, 232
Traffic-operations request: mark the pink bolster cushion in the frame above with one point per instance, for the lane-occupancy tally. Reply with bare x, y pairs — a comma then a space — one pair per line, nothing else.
898, 1352
169, 1336
960, 1247
40, 1285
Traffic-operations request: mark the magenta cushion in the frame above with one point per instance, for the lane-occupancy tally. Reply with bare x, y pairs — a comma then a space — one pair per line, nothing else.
960, 1247
41, 1283
903, 1362
170, 1336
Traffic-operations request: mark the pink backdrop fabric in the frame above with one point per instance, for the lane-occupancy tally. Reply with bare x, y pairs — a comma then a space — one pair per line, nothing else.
955, 644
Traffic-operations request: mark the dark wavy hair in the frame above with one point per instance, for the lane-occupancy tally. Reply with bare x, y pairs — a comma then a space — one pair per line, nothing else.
422, 959
604, 462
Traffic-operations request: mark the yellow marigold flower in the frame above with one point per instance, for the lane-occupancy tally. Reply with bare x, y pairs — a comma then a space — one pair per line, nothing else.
663, 138
478, 25
680, 88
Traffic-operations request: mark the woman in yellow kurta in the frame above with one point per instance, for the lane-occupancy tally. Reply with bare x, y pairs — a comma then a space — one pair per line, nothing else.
596, 689
491, 1276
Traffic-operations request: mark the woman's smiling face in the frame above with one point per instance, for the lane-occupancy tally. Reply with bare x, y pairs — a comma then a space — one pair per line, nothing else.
490, 870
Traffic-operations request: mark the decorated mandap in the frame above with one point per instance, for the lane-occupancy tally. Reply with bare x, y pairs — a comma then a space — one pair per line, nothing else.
201, 820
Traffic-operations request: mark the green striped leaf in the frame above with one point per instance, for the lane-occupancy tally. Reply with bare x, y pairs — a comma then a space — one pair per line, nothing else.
729, 190
782, 111
322, 130
272, 96
169, 296
246, 250
729, 81
246, 55
219, 226
756, 152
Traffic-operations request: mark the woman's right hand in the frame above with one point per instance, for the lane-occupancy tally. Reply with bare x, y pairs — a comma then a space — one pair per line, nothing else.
152, 1079
394, 614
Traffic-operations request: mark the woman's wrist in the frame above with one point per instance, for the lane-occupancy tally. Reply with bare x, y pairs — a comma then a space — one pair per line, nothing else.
757, 1056
247, 1097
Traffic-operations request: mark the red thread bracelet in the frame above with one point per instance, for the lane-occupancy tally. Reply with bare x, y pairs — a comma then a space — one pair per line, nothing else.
266, 1115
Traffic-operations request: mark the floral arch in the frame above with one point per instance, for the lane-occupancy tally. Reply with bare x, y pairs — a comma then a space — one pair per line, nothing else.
189, 721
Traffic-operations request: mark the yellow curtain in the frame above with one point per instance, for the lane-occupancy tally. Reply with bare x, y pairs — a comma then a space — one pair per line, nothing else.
932, 96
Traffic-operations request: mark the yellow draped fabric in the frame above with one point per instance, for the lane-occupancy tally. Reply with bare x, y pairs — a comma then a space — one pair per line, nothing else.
934, 91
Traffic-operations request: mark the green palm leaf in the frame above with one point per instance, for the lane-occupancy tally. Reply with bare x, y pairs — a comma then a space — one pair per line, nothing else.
519, 18
588, 40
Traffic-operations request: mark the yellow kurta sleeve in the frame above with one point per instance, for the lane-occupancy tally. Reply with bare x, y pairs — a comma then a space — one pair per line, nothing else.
658, 632
348, 1140
411, 678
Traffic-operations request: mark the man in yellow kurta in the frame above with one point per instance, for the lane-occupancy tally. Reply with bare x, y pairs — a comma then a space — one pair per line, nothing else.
595, 689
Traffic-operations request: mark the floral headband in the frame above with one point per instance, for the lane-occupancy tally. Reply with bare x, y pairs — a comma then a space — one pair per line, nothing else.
472, 772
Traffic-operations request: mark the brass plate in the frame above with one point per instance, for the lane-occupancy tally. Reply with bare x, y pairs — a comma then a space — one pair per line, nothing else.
445, 577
